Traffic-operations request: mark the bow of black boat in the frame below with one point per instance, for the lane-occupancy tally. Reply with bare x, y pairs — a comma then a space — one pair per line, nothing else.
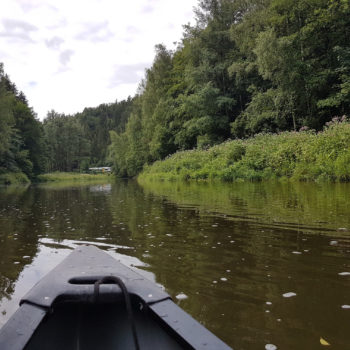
82, 304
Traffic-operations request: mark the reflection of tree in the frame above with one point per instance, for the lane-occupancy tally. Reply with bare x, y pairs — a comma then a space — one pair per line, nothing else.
28, 214
177, 244
286, 204
19, 244
267, 222
191, 235
74, 213
5, 287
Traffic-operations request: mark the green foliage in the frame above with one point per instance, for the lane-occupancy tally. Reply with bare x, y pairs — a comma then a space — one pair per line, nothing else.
31, 132
96, 124
67, 144
302, 55
73, 143
16, 178
21, 135
84, 166
301, 155
68, 177
6, 116
245, 67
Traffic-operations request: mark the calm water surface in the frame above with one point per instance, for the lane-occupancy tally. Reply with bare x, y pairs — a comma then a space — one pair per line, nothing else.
259, 263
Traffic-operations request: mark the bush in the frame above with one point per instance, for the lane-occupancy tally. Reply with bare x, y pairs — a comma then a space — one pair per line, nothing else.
17, 178
303, 155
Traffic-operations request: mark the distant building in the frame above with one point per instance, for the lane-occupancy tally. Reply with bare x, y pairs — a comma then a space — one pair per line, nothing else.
102, 169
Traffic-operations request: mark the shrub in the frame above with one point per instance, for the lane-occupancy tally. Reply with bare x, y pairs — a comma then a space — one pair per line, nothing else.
16, 178
303, 155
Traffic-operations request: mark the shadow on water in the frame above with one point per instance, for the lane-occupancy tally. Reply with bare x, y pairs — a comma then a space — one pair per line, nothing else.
229, 254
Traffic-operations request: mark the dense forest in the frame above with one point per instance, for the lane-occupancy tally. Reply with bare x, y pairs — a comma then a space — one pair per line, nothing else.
245, 67
61, 142
79, 141
22, 143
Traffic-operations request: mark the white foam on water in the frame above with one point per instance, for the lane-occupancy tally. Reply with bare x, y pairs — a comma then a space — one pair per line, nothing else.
344, 273
289, 295
181, 296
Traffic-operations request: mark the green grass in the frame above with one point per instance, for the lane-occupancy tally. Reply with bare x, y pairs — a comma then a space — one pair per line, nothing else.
303, 156
14, 179
73, 177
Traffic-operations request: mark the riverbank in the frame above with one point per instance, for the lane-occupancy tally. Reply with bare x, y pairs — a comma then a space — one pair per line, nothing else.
72, 177
302, 156
18, 178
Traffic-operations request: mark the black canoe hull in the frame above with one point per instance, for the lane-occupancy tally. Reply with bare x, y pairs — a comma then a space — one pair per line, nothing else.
61, 311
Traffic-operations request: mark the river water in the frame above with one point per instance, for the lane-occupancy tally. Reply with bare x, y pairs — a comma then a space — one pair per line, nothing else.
256, 263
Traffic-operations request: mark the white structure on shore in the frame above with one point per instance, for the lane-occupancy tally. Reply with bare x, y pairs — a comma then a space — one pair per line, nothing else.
103, 169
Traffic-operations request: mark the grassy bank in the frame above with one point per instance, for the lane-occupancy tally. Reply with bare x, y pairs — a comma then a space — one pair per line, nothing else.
304, 155
73, 177
14, 179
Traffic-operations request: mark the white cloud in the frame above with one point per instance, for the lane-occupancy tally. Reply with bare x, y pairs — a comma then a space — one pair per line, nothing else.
65, 56
127, 74
95, 32
17, 30
54, 43
68, 55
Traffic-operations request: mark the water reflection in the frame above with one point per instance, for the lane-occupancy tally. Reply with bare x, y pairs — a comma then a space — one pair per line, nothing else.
258, 263
309, 206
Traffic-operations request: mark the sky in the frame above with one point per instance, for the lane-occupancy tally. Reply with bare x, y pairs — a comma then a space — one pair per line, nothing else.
70, 54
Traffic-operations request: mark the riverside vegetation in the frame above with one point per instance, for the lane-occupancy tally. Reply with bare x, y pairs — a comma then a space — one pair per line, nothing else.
245, 68
72, 177
304, 155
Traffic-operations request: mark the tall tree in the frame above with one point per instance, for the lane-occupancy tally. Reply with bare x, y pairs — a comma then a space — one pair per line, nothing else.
6, 116
67, 144
21, 141
210, 100
98, 121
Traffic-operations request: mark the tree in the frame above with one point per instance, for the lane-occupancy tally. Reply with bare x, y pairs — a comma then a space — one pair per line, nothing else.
66, 142
6, 117
209, 102
98, 121
21, 135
